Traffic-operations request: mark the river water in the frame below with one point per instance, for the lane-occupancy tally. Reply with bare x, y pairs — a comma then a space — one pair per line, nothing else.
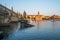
42, 30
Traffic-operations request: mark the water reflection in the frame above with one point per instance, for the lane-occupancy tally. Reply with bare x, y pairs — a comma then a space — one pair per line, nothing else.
38, 24
15, 27
47, 30
7, 30
25, 24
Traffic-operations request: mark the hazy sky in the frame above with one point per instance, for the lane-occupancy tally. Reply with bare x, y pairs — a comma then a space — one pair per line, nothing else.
45, 7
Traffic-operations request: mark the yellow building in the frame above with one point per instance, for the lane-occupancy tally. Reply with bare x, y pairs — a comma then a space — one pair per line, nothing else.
56, 17
38, 17
47, 17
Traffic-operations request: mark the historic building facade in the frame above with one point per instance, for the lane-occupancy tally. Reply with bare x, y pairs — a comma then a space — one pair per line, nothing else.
37, 17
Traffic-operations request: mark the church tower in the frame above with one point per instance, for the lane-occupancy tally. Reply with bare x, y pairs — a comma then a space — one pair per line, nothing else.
38, 13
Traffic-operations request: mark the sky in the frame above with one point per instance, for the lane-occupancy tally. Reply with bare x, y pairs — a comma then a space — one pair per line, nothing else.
45, 7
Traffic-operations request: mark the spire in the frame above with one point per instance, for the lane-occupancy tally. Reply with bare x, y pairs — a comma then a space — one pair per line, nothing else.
12, 8
24, 13
38, 13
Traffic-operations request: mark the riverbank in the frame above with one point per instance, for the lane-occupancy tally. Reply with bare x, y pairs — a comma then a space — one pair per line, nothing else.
44, 30
8, 27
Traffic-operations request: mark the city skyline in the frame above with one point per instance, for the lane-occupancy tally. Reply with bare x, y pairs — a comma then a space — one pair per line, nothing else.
45, 7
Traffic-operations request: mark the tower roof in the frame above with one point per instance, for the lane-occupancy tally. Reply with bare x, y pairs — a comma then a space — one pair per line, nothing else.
38, 13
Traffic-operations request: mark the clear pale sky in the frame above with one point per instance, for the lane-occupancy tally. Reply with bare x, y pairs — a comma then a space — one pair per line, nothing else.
45, 7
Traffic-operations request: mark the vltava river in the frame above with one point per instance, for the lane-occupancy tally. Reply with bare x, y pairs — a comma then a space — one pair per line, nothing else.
42, 30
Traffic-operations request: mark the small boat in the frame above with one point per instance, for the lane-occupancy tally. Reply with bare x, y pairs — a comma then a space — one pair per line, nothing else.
52, 20
25, 24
